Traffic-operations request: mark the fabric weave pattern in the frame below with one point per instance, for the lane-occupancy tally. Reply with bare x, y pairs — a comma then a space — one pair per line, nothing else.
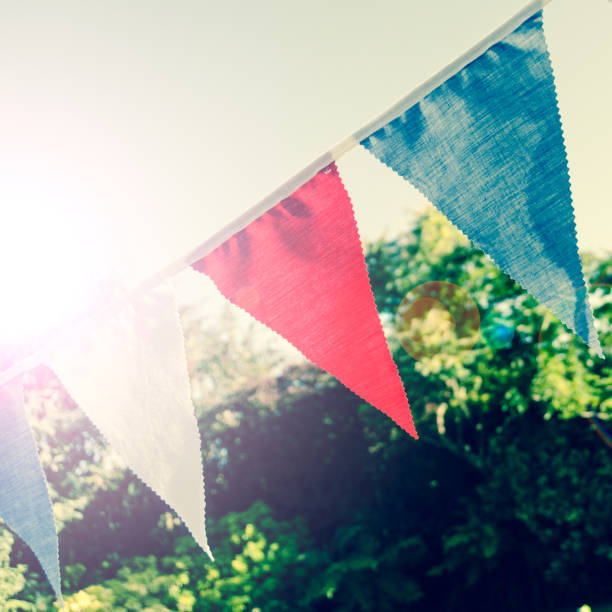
24, 499
486, 148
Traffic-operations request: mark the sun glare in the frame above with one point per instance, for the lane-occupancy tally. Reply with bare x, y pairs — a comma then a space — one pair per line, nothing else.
50, 262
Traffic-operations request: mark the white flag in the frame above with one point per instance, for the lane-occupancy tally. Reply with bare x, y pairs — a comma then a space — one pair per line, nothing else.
129, 374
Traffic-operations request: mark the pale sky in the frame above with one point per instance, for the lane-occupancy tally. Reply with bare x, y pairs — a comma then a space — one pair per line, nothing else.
132, 131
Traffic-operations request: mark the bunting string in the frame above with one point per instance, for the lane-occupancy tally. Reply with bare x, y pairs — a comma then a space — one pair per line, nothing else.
283, 191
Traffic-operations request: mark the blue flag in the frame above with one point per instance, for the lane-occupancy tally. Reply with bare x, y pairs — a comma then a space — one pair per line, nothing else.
24, 500
486, 148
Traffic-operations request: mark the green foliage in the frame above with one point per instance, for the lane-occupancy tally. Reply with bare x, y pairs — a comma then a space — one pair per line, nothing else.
258, 561
363, 574
318, 502
12, 579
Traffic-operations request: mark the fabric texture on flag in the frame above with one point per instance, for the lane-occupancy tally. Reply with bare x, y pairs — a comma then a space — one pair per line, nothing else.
486, 148
129, 374
24, 500
300, 270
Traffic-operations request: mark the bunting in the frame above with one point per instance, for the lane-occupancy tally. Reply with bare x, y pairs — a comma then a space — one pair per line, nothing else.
24, 501
483, 142
130, 376
300, 270
486, 148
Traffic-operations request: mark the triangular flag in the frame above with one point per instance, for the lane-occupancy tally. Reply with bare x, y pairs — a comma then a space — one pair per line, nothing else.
130, 377
24, 499
486, 147
300, 270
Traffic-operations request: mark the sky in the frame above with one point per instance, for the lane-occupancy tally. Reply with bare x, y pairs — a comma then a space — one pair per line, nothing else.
132, 131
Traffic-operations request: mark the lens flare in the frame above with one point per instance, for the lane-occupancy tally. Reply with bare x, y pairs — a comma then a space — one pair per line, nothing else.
437, 317
51, 261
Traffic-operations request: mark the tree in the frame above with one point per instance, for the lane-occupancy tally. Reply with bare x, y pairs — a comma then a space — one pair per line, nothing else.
317, 501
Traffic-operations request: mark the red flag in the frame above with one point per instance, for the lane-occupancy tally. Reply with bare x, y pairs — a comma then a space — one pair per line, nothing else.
300, 270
